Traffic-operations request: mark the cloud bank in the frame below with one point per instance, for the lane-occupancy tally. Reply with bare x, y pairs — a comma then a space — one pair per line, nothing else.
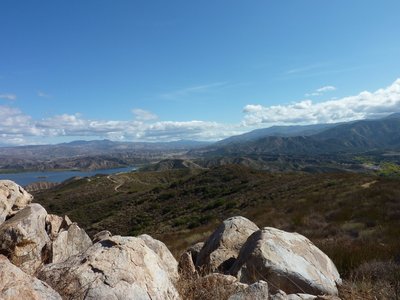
17, 127
362, 106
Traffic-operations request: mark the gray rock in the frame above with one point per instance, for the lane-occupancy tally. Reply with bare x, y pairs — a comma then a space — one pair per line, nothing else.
55, 224
17, 285
222, 247
194, 250
288, 261
12, 199
23, 238
256, 291
186, 266
112, 269
69, 242
104, 234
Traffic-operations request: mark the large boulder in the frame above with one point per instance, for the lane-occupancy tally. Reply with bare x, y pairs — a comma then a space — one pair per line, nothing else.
16, 285
287, 261
12, 199
23, 238
222, 247
169, 261
69, 242
113, 268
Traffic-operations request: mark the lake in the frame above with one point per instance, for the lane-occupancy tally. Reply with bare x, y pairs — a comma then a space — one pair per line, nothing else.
26, 178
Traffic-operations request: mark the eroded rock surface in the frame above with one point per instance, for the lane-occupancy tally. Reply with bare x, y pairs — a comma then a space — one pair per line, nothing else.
17, 285
23, 238
288, 261
169, 261
114, 268
69, 242
55, 224
12, 199
222, 247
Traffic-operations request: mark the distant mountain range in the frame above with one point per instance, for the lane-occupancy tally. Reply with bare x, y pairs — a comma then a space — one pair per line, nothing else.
356, 136
295, 146
96, 147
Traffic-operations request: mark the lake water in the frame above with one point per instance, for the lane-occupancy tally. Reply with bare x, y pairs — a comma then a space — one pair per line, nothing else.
26, 178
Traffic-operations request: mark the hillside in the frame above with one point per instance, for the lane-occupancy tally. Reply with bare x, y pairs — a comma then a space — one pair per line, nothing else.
354, 218
282, 131
352, 137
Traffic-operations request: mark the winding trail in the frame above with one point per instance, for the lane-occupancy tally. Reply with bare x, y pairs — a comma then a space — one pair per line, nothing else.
118, 184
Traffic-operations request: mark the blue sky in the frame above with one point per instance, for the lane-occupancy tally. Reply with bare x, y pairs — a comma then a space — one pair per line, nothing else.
167, 70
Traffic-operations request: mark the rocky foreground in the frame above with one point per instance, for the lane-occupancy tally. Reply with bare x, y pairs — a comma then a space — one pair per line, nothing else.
44, 256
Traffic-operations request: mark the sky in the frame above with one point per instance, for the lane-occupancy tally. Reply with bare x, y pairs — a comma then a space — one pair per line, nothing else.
146, 70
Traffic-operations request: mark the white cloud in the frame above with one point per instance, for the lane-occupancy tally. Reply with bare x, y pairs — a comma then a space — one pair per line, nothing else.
43, 94
327, 88
143, 115
192, 89
8, 96
364, 105
19, 128
321, 91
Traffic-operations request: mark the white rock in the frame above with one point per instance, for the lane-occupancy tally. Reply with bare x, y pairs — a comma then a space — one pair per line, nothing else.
17, 285
288, 261
170, 263
70, 242
23, 238
112, 269
222, 247
12, 199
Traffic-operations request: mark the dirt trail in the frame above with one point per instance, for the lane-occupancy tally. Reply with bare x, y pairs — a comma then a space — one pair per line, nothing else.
118, 183
368, 184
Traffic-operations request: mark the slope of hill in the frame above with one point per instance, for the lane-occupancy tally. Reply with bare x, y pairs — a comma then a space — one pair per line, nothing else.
354, 218
281, 131
353, 137
171, 164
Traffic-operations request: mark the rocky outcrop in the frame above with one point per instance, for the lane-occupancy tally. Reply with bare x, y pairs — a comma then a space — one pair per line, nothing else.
12, 199
15, 284
40, 186
114, 268
222, 247
23, 238
69, 242
288, 261
238, 255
